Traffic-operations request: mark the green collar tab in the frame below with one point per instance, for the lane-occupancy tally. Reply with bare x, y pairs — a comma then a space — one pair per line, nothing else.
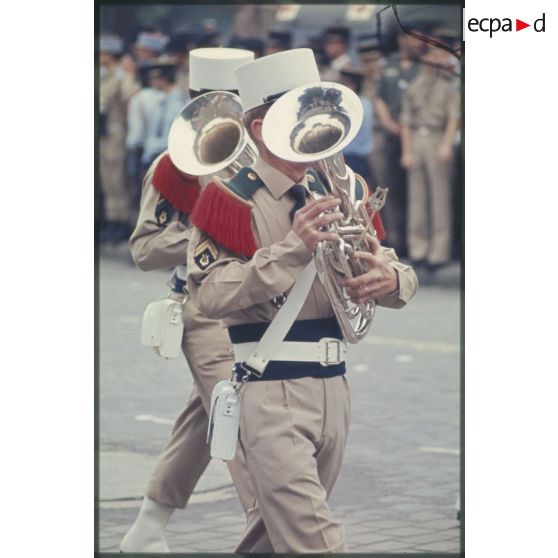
245, 183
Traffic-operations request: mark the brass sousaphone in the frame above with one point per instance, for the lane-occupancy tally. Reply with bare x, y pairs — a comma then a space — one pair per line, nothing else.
313, 124
208, 138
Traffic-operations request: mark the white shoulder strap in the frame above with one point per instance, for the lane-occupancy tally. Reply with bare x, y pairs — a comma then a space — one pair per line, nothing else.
284, 319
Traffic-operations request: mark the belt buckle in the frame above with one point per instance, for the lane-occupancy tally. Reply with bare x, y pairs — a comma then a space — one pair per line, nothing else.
332, 351
249, 371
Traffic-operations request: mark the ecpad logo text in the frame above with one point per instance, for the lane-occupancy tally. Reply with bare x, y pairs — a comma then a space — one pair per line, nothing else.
494, 24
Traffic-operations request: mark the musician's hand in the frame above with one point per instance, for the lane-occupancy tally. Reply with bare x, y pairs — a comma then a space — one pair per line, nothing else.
445, 152
393, 127
380, 279
407, 161
308, 221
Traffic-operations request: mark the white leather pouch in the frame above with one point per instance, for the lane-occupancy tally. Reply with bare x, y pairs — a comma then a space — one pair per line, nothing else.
162, 327
224, 419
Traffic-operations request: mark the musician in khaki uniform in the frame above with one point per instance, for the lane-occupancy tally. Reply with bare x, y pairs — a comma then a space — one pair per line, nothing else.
253, 237
430, 119
160, 241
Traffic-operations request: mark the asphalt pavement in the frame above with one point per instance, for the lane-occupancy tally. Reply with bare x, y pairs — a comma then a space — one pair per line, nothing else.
400, 479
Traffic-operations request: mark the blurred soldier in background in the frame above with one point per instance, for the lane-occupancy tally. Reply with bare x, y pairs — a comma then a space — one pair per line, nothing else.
277, 41
148, 46
336, 42
429, 120
113, 96
251, 25
253, 20
178, 47
372, 61
401, 68
142, 106
208, 35
357, 153
161, 75
254, 44
316, 44
452, 70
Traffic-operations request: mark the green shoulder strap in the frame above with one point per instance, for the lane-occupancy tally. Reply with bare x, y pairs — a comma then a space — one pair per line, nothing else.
244, 184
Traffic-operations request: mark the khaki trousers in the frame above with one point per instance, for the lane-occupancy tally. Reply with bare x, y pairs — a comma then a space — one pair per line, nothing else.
112, 168
206, 346
429, 202
294, 434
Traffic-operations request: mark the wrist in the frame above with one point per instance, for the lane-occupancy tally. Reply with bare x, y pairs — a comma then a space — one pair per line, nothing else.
296, 252
393, 279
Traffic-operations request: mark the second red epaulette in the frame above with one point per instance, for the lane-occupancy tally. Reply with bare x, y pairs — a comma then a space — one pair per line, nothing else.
364, 193
224, 211
180, 190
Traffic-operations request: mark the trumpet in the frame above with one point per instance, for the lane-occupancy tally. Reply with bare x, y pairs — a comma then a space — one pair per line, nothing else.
207, 137
313, 124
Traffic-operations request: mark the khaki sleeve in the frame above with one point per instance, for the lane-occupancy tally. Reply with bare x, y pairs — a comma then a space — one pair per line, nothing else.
129, 86
454, 104
224, 282
108, 93
406, 279
154, 245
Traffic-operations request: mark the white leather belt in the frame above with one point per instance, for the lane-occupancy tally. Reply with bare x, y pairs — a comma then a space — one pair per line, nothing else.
326, 351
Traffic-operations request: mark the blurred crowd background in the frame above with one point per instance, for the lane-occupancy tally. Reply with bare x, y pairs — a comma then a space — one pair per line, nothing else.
401, 80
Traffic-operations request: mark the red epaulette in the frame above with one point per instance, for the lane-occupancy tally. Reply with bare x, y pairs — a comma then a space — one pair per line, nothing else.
224, 211
376, 218
379, 226
181, 190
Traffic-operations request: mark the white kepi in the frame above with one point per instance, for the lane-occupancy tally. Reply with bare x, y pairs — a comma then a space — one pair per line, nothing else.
264, 79
213, 68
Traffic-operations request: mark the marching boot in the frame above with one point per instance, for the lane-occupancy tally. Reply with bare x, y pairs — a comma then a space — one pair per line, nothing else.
147, 534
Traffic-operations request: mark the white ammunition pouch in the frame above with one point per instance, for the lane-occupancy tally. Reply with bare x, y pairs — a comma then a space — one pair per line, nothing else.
162, 327
224, 420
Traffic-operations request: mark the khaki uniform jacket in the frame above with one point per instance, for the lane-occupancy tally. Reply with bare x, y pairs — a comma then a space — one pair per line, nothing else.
160, 239
429, 102
241, 290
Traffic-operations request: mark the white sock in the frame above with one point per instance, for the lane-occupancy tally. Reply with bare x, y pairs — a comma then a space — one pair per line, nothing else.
147, 534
